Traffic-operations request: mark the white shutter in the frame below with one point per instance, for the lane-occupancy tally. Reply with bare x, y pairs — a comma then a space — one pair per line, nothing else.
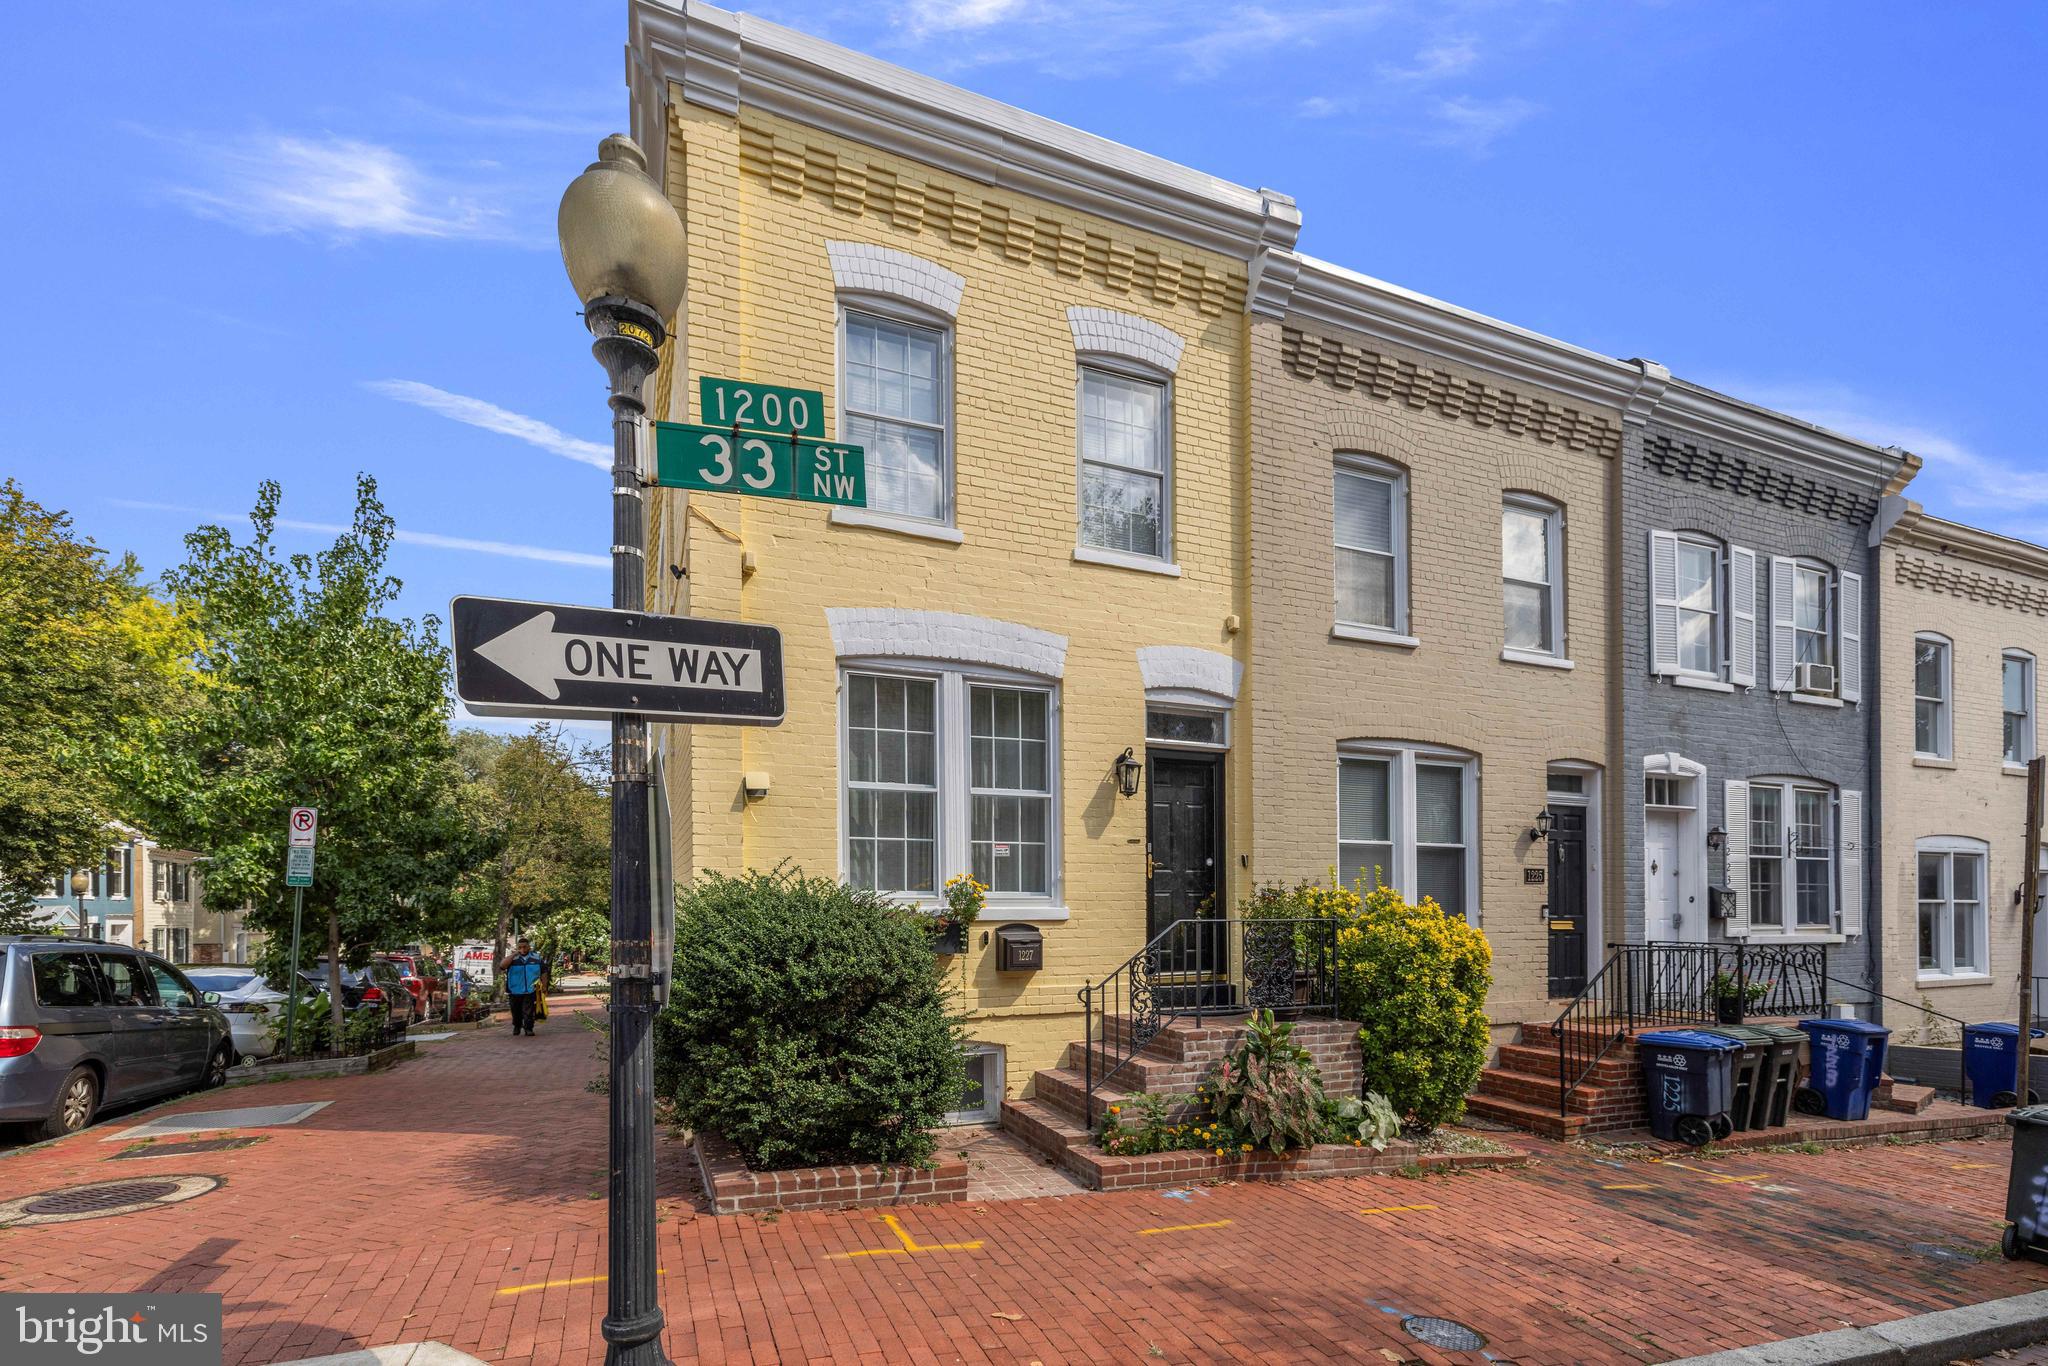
1663, 602
1741, 616
1849, 613
1784, 639
1735, 819
1850, 868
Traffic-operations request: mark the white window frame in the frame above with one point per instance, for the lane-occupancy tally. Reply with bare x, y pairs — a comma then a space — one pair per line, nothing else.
1788, 856
1123, 368
1830, 612
952, 817
2027, 744
1944, 709
1552, 513
1220, 715
1358, 465
993, 1086
901, 314
1949, 848
1402, 761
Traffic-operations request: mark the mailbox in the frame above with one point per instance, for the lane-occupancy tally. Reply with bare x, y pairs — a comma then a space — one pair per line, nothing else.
1720, 901
1019, 948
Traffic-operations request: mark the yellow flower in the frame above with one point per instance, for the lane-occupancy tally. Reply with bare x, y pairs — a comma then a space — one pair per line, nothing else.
1219, 1152
1247, 1147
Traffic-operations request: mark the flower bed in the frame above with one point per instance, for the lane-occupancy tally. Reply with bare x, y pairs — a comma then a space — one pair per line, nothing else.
735, 1188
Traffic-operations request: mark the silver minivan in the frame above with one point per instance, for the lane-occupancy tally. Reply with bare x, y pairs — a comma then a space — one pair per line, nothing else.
85, 1025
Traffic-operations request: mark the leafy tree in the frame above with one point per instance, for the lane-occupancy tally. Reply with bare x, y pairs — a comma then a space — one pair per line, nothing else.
583, 933
551, 823
312, 695
87, 656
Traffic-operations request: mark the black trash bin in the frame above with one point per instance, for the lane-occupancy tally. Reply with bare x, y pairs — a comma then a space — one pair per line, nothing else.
1747, 1069
2026, 1189
1780, 1076
1687, 1081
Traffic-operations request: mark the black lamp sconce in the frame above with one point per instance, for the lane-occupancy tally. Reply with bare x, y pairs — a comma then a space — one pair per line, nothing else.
1127, 771
1717, 839
1542, 827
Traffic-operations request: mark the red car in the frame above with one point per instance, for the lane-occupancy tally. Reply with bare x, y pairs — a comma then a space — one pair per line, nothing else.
409, 971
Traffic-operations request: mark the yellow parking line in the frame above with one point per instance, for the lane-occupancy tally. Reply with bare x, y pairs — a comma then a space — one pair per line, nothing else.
1724, 1180
1182, 1228
1395, 1209
554, 1285
1627, 1188
910, 1245
1969, 1166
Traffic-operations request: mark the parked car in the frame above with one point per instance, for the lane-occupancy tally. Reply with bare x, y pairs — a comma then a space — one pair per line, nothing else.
376, 984
87, 1025
415, 980
255, 1009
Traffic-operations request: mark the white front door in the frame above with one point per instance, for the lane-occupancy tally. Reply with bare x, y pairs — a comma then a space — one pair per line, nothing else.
1663, 915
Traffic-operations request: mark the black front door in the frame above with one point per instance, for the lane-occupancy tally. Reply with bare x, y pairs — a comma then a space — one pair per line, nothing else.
1184, 851
1567, 901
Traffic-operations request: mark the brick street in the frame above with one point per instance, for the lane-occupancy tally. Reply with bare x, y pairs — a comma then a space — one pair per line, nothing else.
458, 1197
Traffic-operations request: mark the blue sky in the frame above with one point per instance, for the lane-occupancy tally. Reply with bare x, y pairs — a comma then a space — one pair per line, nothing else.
298, 241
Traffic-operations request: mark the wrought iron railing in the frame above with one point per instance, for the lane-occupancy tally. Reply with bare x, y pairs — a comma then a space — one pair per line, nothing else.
1200, 967
1644, 985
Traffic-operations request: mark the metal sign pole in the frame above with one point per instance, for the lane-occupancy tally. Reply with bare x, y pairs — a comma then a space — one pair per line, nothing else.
291, 1017
2030, 896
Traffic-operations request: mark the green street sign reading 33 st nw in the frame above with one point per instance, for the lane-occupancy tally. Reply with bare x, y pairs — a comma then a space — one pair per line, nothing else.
754, 407
721, 460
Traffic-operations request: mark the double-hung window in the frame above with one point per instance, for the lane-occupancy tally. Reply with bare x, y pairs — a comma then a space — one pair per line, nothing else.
2018, 684
1791, 856
944, 773
1532, 575
1126, 456
1931, 675
1952, 929
1405, 818
1702, 610
896, 390
1371, 535
1813, 636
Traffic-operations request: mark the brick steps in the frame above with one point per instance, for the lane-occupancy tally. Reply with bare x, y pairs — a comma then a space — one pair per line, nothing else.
1535, 1119
1066, 1091
1906, 1099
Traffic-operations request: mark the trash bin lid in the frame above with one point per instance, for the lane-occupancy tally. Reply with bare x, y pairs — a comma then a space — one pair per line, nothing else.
2008, 1029
1687, 1038
1780, 1033
1843, 1026
1747, 1035
2031, 1115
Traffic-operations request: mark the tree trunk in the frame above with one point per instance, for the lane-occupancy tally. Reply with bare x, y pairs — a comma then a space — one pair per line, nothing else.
504, 928
334, 1010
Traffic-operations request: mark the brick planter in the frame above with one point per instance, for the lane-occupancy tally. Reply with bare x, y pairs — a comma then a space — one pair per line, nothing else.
735, 1188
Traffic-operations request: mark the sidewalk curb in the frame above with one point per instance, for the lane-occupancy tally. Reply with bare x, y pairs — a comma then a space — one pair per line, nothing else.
1921, 1340
403, 1354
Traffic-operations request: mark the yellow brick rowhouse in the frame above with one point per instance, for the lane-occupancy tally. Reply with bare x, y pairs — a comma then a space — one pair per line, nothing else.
1039, 338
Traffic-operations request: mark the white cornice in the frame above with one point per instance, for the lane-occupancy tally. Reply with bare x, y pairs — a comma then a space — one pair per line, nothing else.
1720, 420
1913, 528
1329, 294
722, 61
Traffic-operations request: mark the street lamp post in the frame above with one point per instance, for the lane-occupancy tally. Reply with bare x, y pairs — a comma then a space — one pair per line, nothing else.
623, 246
81, 882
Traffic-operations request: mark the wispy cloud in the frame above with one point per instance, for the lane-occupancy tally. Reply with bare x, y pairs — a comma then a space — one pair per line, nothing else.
492, 418
1435, 62
1325, 106
334, 187
951, 16
507, 549
1473, 125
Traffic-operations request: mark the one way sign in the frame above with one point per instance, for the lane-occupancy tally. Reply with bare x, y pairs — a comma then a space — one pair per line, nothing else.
546, 660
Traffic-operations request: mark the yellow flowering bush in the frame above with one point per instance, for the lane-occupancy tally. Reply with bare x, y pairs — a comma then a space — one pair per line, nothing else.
1416, 980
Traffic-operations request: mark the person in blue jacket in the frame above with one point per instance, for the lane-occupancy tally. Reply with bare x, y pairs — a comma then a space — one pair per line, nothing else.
522, 969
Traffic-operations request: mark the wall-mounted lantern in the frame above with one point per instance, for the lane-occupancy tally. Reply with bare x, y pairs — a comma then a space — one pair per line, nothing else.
1542, 828
1717, 839
1127, 771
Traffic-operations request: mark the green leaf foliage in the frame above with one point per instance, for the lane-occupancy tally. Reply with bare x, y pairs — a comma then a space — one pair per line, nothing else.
1268, 1088
539, 799
808, 1022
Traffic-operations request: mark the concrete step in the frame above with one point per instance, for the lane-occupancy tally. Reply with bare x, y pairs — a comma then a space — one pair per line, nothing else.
1533, 1119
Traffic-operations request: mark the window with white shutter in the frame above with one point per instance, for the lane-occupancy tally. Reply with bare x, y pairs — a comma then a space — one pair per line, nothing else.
1849, 613
1741, 616
1663, 602
1851, 872
1735, 855
1784, 632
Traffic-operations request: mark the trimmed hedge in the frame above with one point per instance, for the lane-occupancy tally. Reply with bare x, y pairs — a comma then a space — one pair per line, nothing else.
808, 1023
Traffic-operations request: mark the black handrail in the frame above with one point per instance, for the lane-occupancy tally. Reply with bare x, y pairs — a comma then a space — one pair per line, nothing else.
1201, 966
1681, 984
1914, 1006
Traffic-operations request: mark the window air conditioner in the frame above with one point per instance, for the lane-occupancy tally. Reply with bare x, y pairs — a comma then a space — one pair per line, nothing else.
1818, 679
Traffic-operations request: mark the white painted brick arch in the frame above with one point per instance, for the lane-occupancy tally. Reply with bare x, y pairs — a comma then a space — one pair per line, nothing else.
949, 637
1106, 332
870, 269
1185, 668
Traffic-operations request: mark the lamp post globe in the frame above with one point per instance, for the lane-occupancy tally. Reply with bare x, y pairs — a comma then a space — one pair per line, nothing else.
624, 249
81, 883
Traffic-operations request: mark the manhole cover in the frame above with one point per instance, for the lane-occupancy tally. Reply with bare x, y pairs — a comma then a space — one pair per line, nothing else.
1447, 1334
197, 1145
102, 1200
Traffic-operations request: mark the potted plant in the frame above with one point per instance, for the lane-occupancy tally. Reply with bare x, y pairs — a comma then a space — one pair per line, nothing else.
1733, 999
965, 899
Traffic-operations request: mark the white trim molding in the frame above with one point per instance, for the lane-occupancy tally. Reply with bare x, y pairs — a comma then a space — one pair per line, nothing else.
723, 61
950, 637
1172, 671
1675, 764
864, 268
1106, 332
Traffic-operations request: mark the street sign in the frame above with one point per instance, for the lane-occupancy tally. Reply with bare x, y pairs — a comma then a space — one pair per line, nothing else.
720, 460
298, 866
730, 403
304, 825
547, 660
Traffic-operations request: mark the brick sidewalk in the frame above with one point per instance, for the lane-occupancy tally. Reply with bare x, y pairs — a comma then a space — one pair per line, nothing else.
496, 1145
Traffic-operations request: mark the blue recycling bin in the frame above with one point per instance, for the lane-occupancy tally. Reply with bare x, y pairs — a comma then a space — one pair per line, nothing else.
1688, 1084
1848, 1061
1991, 1064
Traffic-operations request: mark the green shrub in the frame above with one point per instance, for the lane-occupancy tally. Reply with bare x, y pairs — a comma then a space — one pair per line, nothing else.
1267, 1088
1416, 979
808, 1023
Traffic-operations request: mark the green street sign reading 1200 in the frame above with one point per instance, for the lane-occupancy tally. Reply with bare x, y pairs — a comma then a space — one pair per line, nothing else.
720, 460
761, 407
